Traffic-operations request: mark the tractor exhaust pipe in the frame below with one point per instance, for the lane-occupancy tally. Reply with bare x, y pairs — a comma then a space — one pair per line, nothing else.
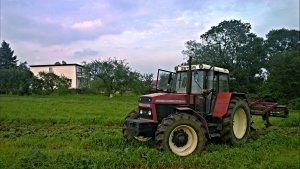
189, 77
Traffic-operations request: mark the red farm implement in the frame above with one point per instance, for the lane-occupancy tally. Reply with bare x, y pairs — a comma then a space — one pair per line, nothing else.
267, 109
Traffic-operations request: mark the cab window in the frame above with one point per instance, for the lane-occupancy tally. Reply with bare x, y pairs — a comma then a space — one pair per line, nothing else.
223, 83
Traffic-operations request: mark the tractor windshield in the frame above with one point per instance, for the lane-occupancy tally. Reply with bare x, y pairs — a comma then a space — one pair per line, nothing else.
197, 81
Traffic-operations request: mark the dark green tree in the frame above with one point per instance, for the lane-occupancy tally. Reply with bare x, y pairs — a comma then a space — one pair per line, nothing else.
282, 48
280, 40
15, 80
283, 83
231, 45
7, 57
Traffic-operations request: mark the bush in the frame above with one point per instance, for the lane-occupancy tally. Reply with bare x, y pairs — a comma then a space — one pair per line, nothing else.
294, 104
15, 80
49, 83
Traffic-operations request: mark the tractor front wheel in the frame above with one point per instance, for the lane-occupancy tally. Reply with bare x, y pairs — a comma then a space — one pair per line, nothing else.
237, 122
183, 134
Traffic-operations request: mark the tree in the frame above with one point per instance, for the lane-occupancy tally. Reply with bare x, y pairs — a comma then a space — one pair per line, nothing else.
49, 83
15, 80
113, 73
113, 76
282, 50
7, 57
283, 83
279, 40
140, 83
231, 45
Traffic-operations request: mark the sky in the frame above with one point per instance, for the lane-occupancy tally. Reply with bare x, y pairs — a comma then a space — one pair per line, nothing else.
148, 34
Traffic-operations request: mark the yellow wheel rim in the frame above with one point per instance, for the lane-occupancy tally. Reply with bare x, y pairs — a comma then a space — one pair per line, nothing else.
190, 145
239, 123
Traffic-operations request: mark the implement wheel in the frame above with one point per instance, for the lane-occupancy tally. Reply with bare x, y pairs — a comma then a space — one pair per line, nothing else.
237, 122
183, 134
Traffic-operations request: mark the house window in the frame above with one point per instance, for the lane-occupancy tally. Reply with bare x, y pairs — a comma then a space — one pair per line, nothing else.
79, 71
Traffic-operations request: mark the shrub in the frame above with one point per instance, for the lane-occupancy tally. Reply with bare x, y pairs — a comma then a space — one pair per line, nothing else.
294, 104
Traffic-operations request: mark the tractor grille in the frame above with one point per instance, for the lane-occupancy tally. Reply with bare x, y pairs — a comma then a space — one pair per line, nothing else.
164, 111
145, 99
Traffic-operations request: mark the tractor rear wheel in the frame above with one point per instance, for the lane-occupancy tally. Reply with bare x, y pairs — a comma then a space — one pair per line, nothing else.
134, 114
237, 122
183, 134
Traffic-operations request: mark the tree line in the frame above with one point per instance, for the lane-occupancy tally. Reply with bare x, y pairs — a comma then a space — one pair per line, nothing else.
263, 68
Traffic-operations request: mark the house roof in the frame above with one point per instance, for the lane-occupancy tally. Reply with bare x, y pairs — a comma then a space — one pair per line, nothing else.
71, 64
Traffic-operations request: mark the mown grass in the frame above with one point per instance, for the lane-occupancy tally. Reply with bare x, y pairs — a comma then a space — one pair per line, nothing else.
84, 131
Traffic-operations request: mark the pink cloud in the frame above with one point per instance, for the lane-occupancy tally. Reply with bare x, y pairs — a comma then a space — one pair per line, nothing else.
89, 24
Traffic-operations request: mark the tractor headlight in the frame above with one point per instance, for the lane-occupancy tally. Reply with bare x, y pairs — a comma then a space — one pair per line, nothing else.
145, 112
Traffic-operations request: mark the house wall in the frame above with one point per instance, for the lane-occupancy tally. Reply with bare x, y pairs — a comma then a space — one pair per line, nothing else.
69, 71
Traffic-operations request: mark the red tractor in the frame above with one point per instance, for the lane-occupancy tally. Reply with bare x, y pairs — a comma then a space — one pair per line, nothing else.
194, 105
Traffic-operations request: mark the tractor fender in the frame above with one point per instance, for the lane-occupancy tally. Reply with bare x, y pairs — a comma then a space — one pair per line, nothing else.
223, 101
196, 114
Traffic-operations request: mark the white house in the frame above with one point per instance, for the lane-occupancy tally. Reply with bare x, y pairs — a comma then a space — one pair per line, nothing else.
71, 71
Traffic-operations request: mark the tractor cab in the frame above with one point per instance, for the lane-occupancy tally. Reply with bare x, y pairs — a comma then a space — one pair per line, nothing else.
206, 82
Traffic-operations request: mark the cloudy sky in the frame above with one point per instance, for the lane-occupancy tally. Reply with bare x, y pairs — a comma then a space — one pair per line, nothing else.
149, 34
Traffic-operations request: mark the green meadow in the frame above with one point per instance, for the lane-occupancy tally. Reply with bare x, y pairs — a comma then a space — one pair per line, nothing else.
84, 131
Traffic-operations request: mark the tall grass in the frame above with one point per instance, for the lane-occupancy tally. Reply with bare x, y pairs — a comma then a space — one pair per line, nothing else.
84, 131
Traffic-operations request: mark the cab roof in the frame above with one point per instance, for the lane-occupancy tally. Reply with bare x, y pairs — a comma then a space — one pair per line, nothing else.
180, 68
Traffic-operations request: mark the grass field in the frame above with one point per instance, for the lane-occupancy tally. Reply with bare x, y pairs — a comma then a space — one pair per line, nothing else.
84, 131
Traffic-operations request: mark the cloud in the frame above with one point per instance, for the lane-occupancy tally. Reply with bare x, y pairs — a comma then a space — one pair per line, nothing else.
85, 53
148, 34
89, 24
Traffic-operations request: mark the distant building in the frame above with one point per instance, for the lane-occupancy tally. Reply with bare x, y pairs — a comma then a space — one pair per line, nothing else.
71, 71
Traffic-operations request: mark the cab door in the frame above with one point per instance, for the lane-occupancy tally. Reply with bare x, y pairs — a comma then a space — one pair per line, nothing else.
218, 82
210, 85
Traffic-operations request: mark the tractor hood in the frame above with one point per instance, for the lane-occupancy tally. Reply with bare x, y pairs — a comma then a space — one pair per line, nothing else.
165, 98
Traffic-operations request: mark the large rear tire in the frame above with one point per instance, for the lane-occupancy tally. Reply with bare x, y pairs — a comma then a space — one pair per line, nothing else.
134, 114
183, 134
237, 122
